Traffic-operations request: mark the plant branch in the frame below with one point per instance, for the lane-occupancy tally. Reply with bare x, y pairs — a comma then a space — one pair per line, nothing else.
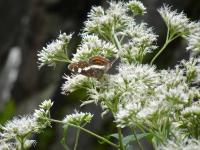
87, 131
121, 146
77, 137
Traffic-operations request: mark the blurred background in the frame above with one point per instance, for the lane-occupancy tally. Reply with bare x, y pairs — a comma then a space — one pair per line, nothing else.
26, 26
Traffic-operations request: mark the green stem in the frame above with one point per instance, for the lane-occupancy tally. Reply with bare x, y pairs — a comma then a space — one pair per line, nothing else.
118, 45
164, 46
77, 137
121, 146
21, 141
169, 38
160, 51
61, 60
138, 142
116, 40
87, 131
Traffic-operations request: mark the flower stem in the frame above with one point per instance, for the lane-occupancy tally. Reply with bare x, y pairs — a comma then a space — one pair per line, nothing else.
118, 45
116, 40
121, 146
170, 37
160, 51
77, 137
138, 142
21, 141
87, 131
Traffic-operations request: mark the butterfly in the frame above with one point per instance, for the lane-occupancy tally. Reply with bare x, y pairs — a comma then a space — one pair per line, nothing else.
95, 67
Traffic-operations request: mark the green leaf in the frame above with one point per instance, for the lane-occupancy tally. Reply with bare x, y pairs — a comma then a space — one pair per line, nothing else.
115, 135
130, 138
108, 137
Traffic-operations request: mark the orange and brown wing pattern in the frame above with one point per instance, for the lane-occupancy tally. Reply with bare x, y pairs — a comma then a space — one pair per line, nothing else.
77, 67
99, 60
95, 68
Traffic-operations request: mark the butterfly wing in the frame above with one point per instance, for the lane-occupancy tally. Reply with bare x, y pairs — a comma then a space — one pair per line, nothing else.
96, 67
98, 60
78, 67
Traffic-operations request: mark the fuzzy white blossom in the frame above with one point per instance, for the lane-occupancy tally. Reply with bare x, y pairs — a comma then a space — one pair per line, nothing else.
192, 69
103, 22
93, 46
75, 82
77, 118
42, 115
172, 77
142, 41
136, 7
46, 104
55, 51
7, 145
186, 144
124, 116
140, 73
179, 94
177, 23
19, 126
164, 103
194, 43
153, 91
192, 110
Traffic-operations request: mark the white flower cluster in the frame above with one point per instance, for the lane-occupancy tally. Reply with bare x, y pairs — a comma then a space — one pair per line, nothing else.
78, 118
192, 68
19, 129
73, 82
112, 33
192, 110
150, 91
20, 126
138, 95
92, 45
194, 43
42, 115
177, 23
142, 40
103, 22
187, 144
136, 7
55, 51
7, 146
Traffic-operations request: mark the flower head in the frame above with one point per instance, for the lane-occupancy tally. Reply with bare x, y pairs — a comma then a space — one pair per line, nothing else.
186, 144
7, 145
55, 51
192, 110
192, 69
103, 22
75, 82
46, 104
41, 115
78, 118
142, 41
92, 45
177, 23
136, 7
19, 126
194, 43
